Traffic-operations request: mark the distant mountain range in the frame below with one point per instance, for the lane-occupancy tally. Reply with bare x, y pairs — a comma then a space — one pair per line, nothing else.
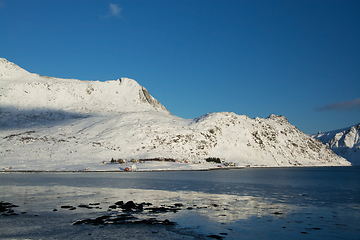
344, 142
63, 124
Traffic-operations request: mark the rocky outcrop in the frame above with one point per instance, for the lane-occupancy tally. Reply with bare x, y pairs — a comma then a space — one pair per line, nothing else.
147, 98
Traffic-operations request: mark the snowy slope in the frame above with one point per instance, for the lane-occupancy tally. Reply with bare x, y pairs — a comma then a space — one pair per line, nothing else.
344, 142
11, 71
52, 98
65, 124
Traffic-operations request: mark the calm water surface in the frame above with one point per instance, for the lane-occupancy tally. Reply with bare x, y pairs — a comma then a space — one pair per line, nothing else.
266, 203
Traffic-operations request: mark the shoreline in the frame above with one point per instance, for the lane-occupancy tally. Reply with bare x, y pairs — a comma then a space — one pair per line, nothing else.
101, 171
158, 170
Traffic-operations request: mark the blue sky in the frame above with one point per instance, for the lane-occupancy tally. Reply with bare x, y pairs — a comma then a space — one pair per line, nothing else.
297, 58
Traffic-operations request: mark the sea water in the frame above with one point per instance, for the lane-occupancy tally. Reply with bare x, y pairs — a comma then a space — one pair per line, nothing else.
251, 203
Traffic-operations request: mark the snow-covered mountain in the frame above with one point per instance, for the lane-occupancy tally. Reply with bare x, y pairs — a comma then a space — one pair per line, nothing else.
66, 124
344, 142
23, 91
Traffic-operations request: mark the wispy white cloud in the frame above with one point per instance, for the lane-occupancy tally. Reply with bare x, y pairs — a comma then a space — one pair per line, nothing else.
352, 105
115, 10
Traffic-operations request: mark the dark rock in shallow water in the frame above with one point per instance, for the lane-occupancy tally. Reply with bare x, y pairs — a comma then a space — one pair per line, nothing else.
121, 219
130, 206
215, 236
126, 218
153, 221
67, 206
85, 206
6, 206
167, 222
94, 221
316, 228
162, 209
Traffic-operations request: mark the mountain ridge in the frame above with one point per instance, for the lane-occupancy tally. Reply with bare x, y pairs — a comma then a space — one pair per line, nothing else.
78, 96
344, 142
61, 124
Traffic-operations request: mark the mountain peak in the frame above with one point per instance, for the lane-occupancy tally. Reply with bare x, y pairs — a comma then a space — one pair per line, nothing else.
25, 91
9, 69
344, 142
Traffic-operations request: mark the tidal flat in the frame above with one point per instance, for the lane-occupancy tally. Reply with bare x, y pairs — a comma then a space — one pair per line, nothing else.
274, 203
